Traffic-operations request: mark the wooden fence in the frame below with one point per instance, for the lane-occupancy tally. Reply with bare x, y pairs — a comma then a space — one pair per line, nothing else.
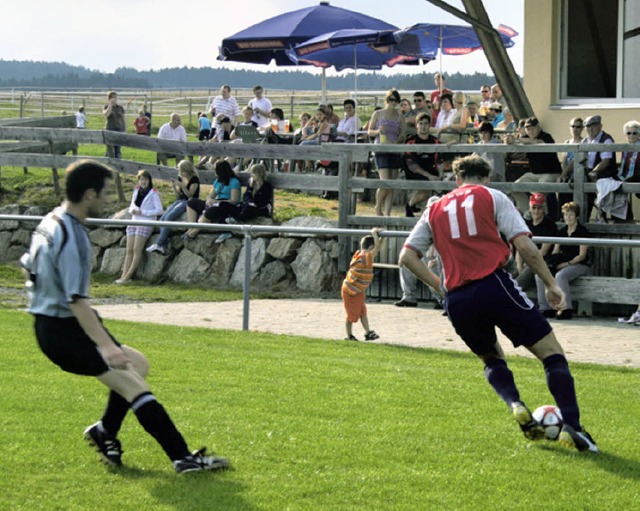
613, 261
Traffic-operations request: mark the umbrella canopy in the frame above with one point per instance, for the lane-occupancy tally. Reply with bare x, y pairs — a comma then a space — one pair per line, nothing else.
425, 39
347, 49
270, 39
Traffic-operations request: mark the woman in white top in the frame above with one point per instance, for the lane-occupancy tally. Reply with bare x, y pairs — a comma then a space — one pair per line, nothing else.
146, 204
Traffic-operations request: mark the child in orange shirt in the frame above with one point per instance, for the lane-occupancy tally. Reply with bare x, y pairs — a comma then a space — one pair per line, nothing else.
357, 281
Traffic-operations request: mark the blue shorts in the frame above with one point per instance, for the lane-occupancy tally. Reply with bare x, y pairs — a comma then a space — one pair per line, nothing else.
388, 160
475, 310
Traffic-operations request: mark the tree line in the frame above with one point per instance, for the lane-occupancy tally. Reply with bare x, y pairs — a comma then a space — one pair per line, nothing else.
54, 75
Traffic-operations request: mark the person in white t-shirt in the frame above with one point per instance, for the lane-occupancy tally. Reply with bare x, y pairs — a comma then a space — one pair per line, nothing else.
261, 108
172, 130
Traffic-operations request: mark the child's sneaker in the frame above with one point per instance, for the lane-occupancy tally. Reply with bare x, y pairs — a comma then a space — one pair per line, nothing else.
351, 338
371, 336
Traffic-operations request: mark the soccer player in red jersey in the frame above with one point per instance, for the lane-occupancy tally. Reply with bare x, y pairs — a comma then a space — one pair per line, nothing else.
467, 227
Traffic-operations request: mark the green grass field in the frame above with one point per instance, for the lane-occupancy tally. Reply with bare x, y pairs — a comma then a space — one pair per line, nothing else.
309, 425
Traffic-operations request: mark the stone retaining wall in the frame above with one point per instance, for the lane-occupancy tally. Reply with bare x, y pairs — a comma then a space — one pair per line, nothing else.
278, 262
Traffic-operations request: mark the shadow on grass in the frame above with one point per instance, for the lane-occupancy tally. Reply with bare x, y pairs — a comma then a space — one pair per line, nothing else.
623, 467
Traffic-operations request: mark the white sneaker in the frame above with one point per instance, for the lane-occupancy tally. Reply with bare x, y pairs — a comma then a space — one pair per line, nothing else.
152, 248
224, 236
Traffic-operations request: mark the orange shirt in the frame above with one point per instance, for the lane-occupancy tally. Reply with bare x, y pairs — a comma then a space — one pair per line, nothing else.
360, 273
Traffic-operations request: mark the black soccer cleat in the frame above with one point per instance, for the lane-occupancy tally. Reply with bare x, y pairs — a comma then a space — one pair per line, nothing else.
107, 446
198, 461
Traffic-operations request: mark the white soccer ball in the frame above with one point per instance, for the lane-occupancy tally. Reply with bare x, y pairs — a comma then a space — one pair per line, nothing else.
551, 419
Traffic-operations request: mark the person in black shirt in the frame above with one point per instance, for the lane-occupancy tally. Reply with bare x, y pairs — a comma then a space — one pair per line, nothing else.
420, 166
544, 167
540, 225
567, 262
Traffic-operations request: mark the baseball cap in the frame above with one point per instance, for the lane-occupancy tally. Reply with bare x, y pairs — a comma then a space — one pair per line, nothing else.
531, 121
537, 199
496, 106
594, 119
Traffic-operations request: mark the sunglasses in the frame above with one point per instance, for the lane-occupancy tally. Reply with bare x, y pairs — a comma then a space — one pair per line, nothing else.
577, 126
392, 100
485, 90
417, 100
631, 133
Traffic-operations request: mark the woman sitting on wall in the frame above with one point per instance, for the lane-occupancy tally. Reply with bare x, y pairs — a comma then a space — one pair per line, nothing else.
145, 205
258, 198
221, 203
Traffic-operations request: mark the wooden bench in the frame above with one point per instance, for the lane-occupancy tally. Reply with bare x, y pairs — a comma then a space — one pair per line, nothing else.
588, 290
585, 290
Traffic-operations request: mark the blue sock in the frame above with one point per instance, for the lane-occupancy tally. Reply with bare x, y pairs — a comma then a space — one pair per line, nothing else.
562, 388
501, 379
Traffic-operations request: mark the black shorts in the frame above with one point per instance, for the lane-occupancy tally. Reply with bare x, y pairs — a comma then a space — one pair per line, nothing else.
475, 310
66, 344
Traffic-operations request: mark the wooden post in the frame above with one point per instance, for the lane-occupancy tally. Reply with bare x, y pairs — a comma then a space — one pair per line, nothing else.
344, 206
54, 173
579, 195
21, 105
190, 111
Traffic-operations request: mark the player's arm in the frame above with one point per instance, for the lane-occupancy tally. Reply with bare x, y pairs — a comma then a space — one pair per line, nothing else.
112, 354
531, 255
411, 259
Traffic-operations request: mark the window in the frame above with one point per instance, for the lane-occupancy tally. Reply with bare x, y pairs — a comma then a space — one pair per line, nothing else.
600, 49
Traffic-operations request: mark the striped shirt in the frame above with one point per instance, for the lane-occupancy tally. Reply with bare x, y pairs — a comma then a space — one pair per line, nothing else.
360, 273
59, 260
229, 107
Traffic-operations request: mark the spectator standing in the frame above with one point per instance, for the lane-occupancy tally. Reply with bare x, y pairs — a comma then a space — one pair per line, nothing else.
358, 279
146, 204
141, 124
539, 225
543, 167
567, 262
204, 126
147, 114
387, 126
114, 114
485, 101
225, 104
420, 166
420, 105
436, 94
71, 335
81, 118
496, 95
186, 186
261, 107
466, 226
576, 127
172, 130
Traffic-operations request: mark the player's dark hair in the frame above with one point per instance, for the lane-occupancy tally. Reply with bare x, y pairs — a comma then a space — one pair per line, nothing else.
85, 175
367, 242
349, 102
279, 113
471, 167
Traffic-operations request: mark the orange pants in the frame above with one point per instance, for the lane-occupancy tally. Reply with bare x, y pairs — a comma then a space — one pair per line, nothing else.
354, 305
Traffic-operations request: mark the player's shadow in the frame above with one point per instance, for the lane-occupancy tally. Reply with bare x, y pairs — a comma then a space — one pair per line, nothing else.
622, 467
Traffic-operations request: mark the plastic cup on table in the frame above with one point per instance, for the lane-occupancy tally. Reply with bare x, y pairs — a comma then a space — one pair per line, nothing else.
274, 125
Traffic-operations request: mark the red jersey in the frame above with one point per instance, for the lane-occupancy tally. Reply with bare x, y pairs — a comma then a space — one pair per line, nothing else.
465, 227
141, 124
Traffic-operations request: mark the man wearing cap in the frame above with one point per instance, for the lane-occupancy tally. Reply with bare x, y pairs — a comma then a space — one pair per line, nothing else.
172, 130
543, 167
599, 163
539, 225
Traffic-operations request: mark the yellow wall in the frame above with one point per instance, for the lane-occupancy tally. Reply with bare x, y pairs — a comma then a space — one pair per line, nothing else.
541, 50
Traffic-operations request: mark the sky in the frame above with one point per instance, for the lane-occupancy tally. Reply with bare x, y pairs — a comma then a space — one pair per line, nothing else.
154, 34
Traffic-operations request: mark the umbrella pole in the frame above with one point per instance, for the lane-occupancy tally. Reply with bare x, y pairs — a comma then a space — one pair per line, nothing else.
355, 74
324, 86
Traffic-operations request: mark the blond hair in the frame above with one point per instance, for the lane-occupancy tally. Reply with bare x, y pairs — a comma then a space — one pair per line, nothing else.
187, 168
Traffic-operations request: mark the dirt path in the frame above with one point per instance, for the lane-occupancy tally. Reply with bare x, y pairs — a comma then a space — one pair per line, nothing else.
600, 341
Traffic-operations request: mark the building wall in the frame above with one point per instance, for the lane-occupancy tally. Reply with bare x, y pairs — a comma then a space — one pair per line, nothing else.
541, 54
